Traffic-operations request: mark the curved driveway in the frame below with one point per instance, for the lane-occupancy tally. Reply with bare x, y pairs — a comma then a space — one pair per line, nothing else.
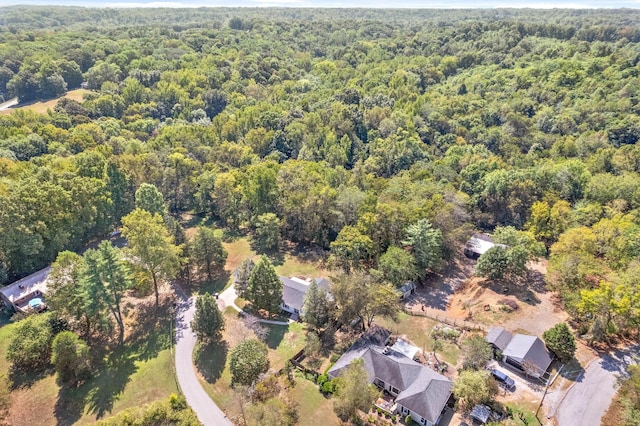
207, 411
588, 399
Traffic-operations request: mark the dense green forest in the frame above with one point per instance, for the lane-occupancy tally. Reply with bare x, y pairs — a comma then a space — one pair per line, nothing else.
358, 132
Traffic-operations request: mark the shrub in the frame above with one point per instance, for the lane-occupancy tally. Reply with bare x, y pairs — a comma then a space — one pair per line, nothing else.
334, 358
30, 347
322, 379
408, 420
172, 411
328, 387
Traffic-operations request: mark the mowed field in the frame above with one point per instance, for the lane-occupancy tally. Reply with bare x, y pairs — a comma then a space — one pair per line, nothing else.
42, 106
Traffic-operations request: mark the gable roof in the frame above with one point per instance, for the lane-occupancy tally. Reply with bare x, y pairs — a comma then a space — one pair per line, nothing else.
407, 287
528, 348
422, 390
427, 395
479, 243
294, 290
27, 285
499, 337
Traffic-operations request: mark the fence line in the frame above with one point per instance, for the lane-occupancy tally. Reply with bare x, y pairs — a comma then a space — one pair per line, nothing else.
467, 325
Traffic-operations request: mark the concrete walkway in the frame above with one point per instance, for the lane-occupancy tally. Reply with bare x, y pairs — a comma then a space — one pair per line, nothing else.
228, 298
207, 411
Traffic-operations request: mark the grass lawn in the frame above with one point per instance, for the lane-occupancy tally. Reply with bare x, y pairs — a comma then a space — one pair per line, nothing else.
6, 331
312, 405
524, 413
418, 330
43, 106
136, 373
212, 360
296, 265
238, 250
284, 342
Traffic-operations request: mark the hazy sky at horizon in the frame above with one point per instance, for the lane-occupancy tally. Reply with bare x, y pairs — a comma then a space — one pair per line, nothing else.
409, 4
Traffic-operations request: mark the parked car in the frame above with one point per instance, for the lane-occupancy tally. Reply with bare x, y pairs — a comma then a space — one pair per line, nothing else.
504, 380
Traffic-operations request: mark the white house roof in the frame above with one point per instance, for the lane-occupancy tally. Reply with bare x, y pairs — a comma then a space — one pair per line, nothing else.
479, 243
27, 285
405, 348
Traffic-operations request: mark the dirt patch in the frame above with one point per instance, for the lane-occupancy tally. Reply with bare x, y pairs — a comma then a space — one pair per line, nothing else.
528, 307
43, 106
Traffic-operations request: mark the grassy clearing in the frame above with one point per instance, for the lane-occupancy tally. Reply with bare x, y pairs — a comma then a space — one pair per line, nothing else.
6, 331
139, 372
284, 342
43, 106
295, 265
238, 250
312, 405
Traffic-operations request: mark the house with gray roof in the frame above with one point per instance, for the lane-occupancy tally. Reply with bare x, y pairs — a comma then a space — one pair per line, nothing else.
407, 289
295, 289
418, 391
525, 353
499, 338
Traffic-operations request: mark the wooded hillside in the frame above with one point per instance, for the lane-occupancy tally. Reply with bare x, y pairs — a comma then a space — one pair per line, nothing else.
334, 128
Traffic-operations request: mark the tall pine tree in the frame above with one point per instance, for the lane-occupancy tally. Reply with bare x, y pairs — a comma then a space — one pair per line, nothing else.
316, 307
265, 287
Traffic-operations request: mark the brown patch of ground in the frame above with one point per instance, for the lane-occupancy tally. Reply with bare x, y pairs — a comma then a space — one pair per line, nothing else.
488, 302
43, 106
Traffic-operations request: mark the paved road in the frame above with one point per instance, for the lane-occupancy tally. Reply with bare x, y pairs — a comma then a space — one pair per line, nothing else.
8, 104
208, 412
588, 399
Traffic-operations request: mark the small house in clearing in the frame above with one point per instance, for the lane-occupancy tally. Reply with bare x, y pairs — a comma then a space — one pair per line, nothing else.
478, 245
416, 390
295, 289
407, 289
520, 351
27, 294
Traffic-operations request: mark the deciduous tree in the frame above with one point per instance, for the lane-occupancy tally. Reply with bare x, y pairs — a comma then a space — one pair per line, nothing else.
150, 199
360, 297
247, 361
70, 357
354, 392
474, 387
476, 353
560, 340
151, 246
397, 266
